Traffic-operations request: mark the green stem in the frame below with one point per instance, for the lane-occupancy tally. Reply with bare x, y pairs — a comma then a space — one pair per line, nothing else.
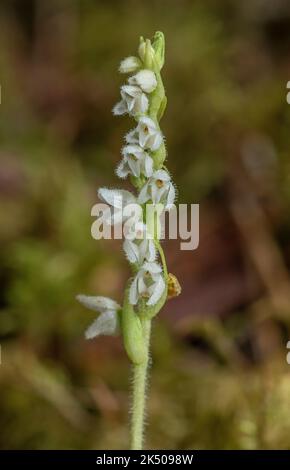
139, 391
162, 256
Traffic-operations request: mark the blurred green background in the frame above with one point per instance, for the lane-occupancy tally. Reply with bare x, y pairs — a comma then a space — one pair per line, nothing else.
219, 377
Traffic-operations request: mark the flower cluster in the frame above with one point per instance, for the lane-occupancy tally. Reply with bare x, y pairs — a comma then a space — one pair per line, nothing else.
143, 98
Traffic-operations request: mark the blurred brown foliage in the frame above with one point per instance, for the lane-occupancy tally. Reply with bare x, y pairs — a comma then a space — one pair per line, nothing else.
219, 375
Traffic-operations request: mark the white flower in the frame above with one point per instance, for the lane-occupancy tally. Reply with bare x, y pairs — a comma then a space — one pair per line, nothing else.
145, 79
158, 189
118, 199
98, 304
148, 283
130, 64
108, 322
142, 248
133, 102
138, 252
135, 161
146, 134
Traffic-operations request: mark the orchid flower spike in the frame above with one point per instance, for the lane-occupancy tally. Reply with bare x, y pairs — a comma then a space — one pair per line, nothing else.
142, 98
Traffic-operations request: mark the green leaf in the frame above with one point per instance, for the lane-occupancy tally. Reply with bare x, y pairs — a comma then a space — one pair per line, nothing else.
132, 332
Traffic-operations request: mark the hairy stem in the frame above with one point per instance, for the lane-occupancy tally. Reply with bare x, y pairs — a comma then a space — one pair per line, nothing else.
162, 256
139, 392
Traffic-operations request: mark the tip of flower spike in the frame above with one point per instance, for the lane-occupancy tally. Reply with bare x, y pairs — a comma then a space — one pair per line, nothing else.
159, 48
158, 36
146, 52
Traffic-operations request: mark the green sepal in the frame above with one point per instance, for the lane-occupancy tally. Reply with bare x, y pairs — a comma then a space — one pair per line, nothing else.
138, 182
159, 156
157, 95
162, 108
148, 55
159, 48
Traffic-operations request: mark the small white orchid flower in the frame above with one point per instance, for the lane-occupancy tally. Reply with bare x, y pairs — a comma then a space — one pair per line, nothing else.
145, 79
148, 283
140, 252
146, 134
133, 102
108, 322
135, 161
130, 64
118, 199
158, 189
142, 248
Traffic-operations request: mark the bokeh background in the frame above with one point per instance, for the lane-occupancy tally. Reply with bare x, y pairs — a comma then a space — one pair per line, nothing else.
219, 377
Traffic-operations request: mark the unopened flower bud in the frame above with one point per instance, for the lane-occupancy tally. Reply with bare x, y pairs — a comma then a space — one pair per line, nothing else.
159, 48
146, 52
